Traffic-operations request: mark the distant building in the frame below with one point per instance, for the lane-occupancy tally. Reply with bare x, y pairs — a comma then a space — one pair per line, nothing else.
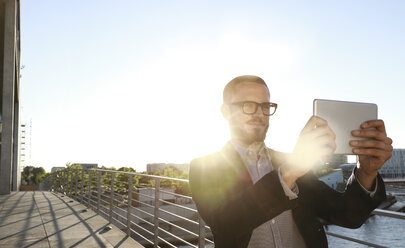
162, 166
86, 166
395, 166
57, 168
334, 180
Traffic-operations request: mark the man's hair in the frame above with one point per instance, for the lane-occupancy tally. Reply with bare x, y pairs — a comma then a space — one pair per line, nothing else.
230, 87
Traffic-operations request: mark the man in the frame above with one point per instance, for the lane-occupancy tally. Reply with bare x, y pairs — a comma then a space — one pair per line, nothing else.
252, 196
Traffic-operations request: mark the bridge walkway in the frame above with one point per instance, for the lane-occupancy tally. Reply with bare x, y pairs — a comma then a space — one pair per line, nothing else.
46, 219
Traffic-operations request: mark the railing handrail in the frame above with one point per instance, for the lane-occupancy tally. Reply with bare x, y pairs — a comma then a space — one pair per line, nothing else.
389, 213
143, 175
132, 173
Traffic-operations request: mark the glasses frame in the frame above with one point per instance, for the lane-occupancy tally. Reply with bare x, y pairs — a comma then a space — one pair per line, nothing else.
242, 104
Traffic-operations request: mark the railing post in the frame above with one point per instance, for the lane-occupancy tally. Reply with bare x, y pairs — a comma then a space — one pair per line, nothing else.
58, 181
70, 183
129, 204
53, 181
98, 192
64, 182
156, 213
76, 181
82, 188
68, 188
88, 200
201, 232
111, 197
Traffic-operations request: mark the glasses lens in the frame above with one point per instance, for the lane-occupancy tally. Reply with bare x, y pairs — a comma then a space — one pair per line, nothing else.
266, 108
249, 107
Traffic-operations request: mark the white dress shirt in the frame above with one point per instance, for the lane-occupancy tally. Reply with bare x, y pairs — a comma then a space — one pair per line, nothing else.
280, 231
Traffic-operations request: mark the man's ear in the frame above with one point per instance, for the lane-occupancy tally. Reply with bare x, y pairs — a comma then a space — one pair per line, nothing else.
226, 111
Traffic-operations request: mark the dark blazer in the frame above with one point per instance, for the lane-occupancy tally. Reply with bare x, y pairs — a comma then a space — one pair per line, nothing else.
233, 206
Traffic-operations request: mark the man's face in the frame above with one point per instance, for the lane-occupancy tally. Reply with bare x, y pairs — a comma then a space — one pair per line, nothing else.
245, 128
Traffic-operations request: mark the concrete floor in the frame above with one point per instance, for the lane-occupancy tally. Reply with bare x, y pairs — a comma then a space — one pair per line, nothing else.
46, 219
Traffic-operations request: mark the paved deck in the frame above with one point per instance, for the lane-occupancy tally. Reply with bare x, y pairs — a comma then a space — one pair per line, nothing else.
46, 219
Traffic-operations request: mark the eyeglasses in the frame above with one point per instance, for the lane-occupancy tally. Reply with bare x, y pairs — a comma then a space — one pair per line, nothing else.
249, 107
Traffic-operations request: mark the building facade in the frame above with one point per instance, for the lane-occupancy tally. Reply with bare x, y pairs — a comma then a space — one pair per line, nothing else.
10, 173
395, 166
86, 166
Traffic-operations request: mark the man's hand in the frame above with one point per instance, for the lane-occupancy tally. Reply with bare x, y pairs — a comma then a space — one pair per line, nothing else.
372, 153
315, 144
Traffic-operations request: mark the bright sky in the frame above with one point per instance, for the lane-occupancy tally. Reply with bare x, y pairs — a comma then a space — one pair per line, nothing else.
126, 83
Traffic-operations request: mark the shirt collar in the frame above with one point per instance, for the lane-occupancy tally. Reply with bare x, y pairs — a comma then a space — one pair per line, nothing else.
245, 153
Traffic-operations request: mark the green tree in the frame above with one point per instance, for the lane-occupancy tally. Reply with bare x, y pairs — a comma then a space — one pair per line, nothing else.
179, 187
33, 175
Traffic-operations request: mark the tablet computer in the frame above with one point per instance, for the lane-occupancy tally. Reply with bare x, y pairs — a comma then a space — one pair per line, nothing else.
343, 117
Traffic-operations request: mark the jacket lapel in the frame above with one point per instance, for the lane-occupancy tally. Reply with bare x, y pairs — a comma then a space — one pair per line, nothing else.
235, 165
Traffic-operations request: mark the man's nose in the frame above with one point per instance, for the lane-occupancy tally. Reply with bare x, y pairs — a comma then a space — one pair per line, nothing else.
259, 111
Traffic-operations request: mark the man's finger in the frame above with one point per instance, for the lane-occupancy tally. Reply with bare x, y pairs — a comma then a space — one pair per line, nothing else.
318, 132
371, 144
313, 123
381, 154
376, 134
378, 124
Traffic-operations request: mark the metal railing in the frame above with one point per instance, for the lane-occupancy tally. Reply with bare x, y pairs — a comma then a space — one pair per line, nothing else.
151, 215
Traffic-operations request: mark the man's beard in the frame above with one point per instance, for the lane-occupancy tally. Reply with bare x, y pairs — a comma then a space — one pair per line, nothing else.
252, 135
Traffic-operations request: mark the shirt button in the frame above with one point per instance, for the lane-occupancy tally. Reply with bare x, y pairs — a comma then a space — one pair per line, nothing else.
273, 221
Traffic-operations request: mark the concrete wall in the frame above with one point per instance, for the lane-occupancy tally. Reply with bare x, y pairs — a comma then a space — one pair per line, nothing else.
9, 77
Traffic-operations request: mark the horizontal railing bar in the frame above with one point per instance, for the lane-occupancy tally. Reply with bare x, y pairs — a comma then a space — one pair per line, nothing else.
179, 195
149, 232
180, 217
118, 195
180, 206
387, 213
140, 235
91, 200
144, 220
151, 206
118, 181
143, 175
104, 201
178, 227
104, 189
118, 219
104, 213
355, 240
209, 241
138, 209
117, 201
118, 213
119, 223
148, 196
92, 196
178, 238
167, 242
138, 186
104, 207
120, 191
